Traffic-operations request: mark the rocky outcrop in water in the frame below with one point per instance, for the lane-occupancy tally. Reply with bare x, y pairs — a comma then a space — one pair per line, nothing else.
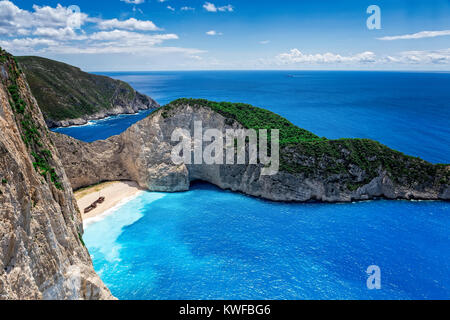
42, 255
313, 169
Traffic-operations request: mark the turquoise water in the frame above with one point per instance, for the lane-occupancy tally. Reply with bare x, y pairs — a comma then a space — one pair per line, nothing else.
211, 244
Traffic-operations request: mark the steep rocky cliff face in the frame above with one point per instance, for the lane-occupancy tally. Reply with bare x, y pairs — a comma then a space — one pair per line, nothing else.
68, 96
312, 168
42, 255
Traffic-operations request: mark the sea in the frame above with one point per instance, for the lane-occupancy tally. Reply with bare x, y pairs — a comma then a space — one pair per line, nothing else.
212, 244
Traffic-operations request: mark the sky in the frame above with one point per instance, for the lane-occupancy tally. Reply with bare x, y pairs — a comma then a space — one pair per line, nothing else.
147, 35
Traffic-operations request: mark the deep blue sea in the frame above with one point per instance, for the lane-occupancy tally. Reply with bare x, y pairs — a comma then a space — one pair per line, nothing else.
212, 244
406, 111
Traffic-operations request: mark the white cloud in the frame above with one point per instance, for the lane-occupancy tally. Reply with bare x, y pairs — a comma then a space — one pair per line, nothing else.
211, 7
59, 33
130, 24
15, 21
423, 58
58, 17
295, 56
27, 44
214, 33
418, 35
112, 48
103, 42
134, 1
127, 38
228, 8
187, 9
49, 32
264, 42
171, 8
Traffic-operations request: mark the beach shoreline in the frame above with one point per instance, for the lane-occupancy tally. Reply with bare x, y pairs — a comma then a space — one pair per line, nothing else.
115, 193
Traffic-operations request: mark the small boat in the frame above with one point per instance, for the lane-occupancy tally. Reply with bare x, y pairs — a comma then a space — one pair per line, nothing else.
94, 205
90, 208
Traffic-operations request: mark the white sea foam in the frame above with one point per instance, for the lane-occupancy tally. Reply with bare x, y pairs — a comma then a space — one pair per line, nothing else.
99, 121
102, 232
110, 211
88, 124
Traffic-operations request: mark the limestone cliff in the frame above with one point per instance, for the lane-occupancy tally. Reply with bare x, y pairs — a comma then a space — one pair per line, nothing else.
68, 96
312, 168
42, 255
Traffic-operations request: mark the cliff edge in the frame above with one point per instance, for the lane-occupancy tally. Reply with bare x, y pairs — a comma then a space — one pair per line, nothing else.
42, 254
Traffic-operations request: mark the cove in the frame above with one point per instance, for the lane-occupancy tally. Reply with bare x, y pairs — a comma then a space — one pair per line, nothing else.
214, 244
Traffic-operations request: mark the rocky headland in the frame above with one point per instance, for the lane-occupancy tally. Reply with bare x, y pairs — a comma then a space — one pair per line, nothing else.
68, 96
311, 168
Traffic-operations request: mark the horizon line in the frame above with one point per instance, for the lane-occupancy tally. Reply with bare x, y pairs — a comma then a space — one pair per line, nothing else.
274, 70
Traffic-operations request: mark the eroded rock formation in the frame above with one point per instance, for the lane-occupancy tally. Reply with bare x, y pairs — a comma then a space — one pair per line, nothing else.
143, 154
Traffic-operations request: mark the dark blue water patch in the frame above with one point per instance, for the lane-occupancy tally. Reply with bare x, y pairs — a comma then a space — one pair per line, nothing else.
407, 111
104, 128
211, 244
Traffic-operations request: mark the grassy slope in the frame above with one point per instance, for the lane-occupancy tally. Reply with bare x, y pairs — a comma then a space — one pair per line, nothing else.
65, 92
302, 152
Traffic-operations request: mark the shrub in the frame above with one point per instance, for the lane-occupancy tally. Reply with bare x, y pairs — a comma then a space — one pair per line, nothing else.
81, 239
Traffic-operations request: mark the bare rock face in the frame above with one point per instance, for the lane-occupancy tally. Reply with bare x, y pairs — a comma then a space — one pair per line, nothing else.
42, 255
91, 163
143, 154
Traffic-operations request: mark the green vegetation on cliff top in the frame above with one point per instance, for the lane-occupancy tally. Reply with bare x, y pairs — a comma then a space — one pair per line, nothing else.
31, 132
65, 92
303, 152
253, 118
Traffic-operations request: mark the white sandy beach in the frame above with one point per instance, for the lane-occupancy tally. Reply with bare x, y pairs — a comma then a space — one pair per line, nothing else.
114, 192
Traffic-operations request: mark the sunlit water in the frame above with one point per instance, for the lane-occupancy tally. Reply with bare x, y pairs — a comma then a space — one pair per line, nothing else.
207, 243
211, 244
